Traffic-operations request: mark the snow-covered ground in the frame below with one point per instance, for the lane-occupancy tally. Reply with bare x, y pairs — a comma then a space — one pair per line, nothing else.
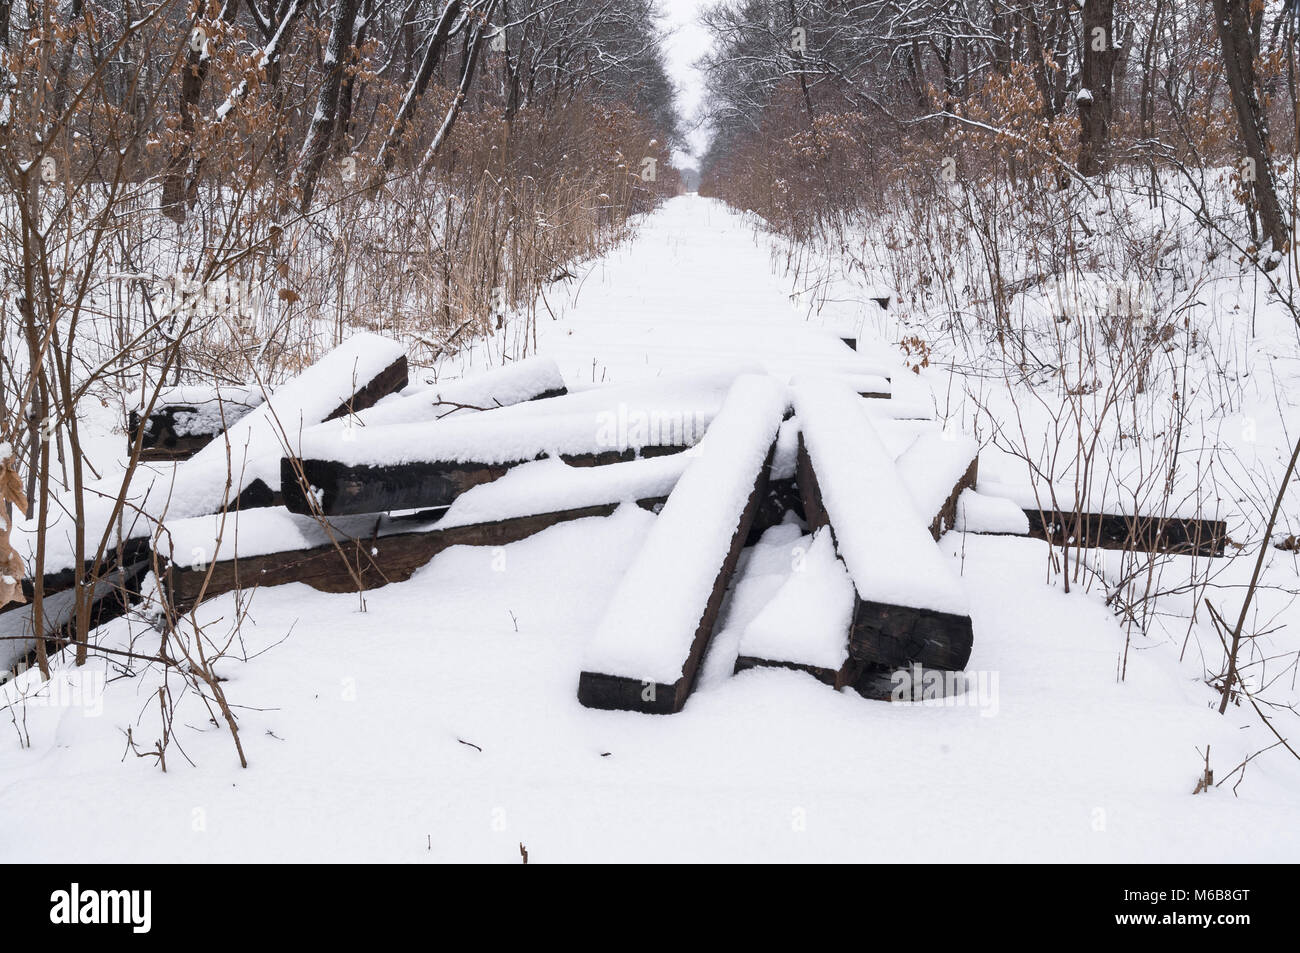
437, 720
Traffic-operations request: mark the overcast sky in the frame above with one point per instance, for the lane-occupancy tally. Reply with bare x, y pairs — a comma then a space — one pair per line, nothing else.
686, 43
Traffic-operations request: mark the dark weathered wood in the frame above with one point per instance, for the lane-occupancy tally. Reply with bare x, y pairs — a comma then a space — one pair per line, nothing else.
900, 635
782, 497
810, 491
359, 563
876, 682
1199, 537
343, 489
946, 518
598, 690
114, 592
160, 440
132, 551
388, 381
606, 457
889, 635
845, 675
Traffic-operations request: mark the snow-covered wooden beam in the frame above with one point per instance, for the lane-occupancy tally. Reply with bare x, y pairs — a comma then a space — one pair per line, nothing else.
806, 625
648, 647
241, 467
870, 385
390, 552
212, 555
235, 470
537, 378
423, 465
990, 513
342, 489
112, 595
1152, 534
909, 605
184, 419
187, 418
936, 468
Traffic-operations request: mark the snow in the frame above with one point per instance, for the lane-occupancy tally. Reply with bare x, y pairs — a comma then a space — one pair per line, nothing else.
931, 467
215, 408
249, 450
551, 486
693, 292
612, 418
807, 622
357, 721
786, 455
1105, 499
502, 387
543, 486
195, 542
652, 619
879, 533
239, 395
861, 383
977, 513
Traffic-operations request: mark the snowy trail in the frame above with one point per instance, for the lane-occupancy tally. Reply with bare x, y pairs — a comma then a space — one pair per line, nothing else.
694, 290
441, 723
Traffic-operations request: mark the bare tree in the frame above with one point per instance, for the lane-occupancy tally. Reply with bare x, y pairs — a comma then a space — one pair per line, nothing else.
1239, 34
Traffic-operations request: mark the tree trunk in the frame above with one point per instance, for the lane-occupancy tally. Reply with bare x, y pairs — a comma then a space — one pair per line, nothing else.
1233, 21
1096, 75
316, 145
174, 186
428, 62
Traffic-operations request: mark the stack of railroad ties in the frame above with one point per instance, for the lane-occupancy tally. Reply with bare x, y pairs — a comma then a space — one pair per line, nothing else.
347, 478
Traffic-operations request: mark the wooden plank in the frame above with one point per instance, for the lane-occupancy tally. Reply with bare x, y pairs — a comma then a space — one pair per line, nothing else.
172, 432
1198, 537
162, 438
417, 464
112, 595
390, 380
131, 551
842, 677
360, 563
946, 518
935, 469
342, 489
890, 635
186, 418
901, 635
617, 692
